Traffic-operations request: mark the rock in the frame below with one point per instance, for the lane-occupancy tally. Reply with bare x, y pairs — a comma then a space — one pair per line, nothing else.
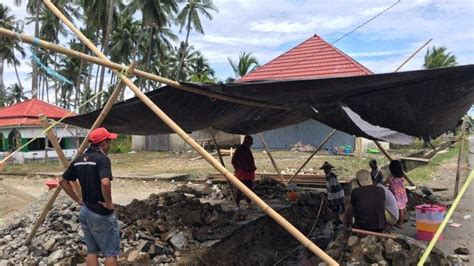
453, 257
143, 245
8, 238
371, 249
55, 256
392, 248
48, 245
143, 258
353, 240
461, 251
133, 256
167, 236
179, 241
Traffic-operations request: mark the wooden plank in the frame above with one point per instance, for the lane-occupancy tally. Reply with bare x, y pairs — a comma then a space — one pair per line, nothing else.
423, 160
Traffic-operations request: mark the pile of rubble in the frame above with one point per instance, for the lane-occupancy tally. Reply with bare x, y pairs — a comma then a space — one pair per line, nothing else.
156, 230
300, 146
369, 250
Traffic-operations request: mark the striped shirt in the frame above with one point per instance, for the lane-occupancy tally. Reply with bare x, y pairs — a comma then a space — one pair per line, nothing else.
335, 190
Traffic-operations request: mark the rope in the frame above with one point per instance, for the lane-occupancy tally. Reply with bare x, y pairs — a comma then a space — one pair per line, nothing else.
50, 72
445, 221
310, 232
48, 128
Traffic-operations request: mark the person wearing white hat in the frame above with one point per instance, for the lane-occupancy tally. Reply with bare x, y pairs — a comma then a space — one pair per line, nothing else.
368, 204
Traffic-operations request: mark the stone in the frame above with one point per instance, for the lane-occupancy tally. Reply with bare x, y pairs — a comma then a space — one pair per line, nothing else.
392, 248
55, 256
133, 256
179, 241
8, 238
143, 245
48, 245
353, 240
143, 258
461, 251
168, 235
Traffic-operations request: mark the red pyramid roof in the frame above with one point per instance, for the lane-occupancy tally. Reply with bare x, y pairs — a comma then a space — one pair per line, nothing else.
313, 58
27, 113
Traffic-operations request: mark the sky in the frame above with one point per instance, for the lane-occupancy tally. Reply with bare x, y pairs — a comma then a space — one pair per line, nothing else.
268, 28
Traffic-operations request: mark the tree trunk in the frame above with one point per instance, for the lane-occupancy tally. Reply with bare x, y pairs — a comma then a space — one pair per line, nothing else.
34, 74
105, 45
2, 86
18, 77
181, 59
47, 90
78, 86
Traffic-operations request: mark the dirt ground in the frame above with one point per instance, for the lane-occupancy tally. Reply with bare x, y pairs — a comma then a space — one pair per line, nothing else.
444, 177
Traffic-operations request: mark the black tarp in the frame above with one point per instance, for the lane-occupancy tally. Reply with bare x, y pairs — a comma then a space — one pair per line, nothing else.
422, 103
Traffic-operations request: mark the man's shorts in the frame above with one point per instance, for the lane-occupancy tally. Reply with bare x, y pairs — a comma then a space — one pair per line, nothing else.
101, 232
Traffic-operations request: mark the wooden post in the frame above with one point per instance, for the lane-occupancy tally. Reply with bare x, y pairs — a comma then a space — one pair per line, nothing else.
391, 158
458, 169
272, 160
65, 163
231, 188
118, 67
314, 153
169, 122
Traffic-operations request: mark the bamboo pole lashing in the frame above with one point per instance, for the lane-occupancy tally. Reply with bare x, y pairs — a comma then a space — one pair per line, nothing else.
168, 121
139, 73
269, 153
321, 145
112, 99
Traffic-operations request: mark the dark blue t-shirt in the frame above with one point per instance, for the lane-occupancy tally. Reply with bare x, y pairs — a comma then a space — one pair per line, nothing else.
90, 168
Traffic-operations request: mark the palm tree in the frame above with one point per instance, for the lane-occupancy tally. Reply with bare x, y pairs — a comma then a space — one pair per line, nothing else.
156, 17
438, 58
7, 46
246, 64
201, 71
15, 94
189, 17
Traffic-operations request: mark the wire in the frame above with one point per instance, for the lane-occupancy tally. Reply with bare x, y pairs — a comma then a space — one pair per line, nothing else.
310, 232
347, 34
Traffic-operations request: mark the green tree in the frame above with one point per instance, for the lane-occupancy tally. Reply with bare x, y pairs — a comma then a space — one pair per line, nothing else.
7, 46
438, 58
15, 94
189, 17
156, 18
247, 63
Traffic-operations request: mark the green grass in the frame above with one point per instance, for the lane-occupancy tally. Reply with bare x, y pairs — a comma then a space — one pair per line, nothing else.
425, 172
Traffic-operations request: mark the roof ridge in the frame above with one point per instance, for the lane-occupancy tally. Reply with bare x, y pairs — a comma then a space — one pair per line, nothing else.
286, 52
348, 57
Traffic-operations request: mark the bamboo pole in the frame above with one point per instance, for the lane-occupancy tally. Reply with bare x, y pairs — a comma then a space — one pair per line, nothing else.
271, 159
221, 159
391, 158
168, 121
103, 62
458, 169
113, 98
57, 147
314, 153
443, 224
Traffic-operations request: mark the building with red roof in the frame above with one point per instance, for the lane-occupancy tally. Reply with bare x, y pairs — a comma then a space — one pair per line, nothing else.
19, 123
314, 58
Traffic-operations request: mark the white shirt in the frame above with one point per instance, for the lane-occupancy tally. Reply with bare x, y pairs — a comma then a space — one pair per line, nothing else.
390, 202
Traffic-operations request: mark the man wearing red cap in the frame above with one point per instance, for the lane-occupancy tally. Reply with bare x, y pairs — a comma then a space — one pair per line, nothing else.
97, 218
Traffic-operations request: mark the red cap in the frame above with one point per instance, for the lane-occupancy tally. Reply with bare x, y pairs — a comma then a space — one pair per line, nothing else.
100, 134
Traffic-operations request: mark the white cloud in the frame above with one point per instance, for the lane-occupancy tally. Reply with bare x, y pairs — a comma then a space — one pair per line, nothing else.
268, 28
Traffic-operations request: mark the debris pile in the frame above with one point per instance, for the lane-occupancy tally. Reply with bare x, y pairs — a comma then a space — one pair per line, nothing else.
155, 230
422, 195
300, 146
367, 250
